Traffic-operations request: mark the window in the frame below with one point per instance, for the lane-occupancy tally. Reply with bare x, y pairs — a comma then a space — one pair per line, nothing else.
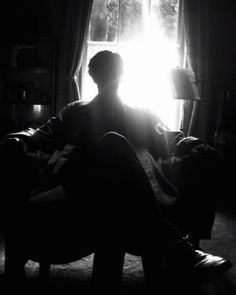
144, 33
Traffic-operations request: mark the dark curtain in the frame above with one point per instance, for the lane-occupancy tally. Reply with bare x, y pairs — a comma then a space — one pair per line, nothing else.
71, 24
193, 40
199, 43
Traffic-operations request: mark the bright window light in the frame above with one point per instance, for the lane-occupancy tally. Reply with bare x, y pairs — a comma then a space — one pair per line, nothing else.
148, 48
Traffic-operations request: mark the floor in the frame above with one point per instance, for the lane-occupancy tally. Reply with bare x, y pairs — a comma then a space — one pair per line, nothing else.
75, 277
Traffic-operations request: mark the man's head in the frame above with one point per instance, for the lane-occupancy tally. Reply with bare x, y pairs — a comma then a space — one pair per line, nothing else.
106, 68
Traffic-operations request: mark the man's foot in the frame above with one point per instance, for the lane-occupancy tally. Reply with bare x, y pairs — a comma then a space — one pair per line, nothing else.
194, 266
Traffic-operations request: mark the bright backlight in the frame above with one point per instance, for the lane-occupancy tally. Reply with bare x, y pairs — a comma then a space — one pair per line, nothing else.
147, 59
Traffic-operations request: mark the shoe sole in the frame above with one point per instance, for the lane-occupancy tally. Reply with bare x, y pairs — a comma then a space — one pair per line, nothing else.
199, 276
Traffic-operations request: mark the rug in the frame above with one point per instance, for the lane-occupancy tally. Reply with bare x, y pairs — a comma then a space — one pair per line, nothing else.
77, 275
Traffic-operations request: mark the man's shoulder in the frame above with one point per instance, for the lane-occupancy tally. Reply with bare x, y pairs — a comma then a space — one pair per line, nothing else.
78, 104
73, 108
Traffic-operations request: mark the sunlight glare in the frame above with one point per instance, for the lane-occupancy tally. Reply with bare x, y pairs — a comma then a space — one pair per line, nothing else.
146, 82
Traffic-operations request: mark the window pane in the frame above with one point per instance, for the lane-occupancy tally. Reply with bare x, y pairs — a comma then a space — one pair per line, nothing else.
131, 19
116, 20
166, 13
104, 21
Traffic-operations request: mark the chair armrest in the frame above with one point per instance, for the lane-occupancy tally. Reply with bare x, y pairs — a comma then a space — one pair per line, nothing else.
187, 144
20, 140
19, 145
13, 145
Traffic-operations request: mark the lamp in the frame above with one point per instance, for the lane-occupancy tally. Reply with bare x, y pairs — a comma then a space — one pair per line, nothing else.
183, 83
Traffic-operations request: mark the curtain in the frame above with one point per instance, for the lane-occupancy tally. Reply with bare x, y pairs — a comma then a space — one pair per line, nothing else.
195, 38
71, 26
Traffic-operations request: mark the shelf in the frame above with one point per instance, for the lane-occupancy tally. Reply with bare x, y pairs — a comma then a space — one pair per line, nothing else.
8, 105
30, 70
28, 78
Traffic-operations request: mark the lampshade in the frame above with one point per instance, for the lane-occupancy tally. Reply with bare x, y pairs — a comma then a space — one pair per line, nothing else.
183, 84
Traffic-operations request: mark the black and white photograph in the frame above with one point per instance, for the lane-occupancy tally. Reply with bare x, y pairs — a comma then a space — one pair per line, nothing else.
117, 147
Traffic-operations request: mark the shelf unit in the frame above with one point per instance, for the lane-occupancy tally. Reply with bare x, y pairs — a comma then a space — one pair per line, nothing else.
28, 84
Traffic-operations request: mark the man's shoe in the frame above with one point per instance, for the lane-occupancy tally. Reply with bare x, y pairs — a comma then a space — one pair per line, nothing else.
195, 266
208, 267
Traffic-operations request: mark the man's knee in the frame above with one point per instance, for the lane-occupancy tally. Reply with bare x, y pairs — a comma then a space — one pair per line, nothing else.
113, 142
112, 139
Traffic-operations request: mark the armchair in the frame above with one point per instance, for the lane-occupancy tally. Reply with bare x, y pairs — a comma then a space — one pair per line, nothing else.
57, 243
194, 169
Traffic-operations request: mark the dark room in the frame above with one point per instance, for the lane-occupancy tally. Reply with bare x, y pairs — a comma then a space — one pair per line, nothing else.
117, 147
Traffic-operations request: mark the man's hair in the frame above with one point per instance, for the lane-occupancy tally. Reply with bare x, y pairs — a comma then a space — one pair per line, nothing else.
105, 66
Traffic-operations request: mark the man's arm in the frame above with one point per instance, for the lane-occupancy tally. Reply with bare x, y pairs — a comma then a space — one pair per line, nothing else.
162, 141
48, 137
54, 134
